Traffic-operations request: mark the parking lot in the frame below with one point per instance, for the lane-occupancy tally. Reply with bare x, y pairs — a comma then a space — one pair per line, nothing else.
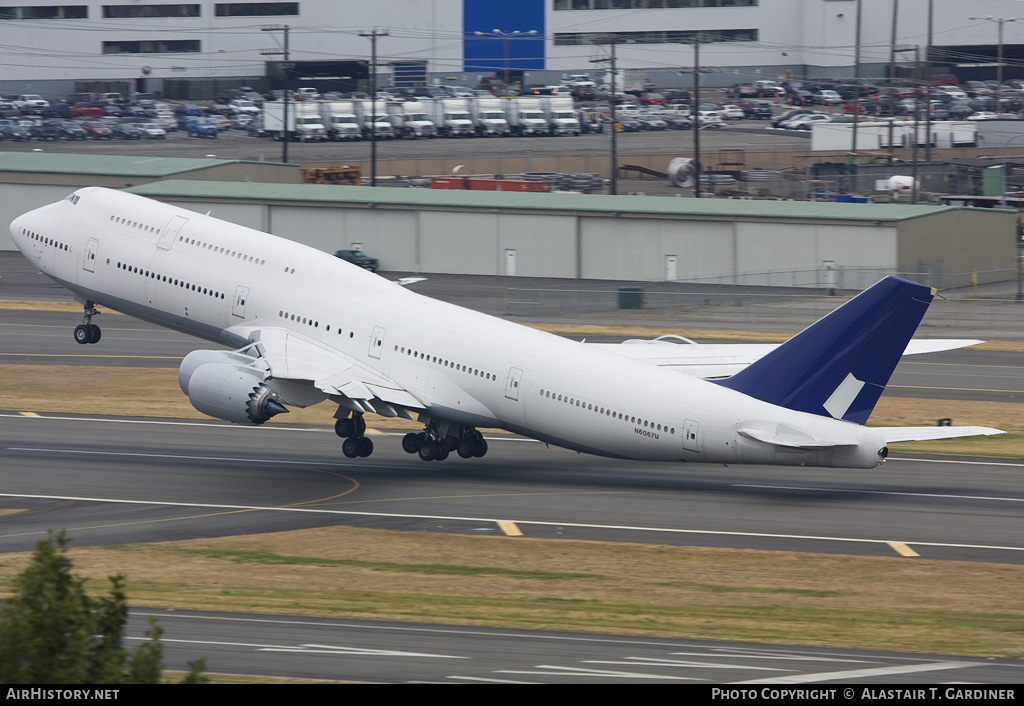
236, 144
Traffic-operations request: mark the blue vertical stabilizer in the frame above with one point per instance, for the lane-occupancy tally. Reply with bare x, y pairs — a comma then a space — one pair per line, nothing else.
839, 366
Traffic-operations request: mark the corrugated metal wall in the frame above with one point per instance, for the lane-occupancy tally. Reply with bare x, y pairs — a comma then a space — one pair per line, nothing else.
570, 246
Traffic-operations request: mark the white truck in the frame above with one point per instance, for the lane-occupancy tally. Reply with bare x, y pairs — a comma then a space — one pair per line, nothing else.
304, 123
373, 118
451, 117
489, 116
558, 110
526, 116
411, 119
339, 117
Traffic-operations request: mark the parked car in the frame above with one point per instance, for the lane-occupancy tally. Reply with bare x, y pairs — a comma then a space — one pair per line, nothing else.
70, 130
31, 103
153, 131
86, 110
652, 122
126, 131
46, 130
187, 110
358, 257
97, 130
12, 130
255, 128
201, 127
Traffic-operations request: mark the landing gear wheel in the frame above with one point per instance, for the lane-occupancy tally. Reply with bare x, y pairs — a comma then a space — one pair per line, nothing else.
429, 451
466, 449
481, 448
412, 442
443, 452
350, 448
344, 428
365, 447
360, 425
94, 333
82, 334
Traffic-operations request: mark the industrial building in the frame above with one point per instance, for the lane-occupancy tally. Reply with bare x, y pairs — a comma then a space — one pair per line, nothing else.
639, 238
188, 49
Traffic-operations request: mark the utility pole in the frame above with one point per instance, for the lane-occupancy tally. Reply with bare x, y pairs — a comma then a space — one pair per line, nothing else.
286, 67
612, 40
928, 93
695, 113
373, 100
856, 84
892, 70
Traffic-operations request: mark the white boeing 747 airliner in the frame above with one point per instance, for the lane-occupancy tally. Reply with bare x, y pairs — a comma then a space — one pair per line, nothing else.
307, 327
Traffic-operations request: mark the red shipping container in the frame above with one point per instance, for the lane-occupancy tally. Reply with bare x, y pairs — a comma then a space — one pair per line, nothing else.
481, 184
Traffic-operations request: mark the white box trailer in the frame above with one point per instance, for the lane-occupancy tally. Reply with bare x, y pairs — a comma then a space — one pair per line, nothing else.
304, 122
526, 116
489, 116
339, 117
373, 119
452, 118
560, 115
411, 119
874, 134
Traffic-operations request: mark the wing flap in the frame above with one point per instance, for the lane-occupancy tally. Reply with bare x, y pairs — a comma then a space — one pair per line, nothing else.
292, 356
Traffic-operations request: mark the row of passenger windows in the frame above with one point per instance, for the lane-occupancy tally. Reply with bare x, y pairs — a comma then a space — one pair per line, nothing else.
446, 363
548, 394
223, 251
309, 322
135, 224
170, 280
45, 241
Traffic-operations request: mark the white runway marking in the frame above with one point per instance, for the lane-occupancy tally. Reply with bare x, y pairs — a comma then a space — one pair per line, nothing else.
581, 672
879, 492
538, 523
863, 673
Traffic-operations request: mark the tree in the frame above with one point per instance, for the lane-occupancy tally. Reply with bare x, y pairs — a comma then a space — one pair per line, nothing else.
52, 632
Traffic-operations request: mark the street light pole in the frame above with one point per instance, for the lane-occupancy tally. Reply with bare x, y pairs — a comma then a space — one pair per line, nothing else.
505, 36
999, 60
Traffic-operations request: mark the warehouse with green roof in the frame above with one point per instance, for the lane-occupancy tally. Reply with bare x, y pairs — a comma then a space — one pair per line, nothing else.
633, 238
641, 238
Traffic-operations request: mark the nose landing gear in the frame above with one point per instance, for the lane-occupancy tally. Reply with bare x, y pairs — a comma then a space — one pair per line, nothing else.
88, 332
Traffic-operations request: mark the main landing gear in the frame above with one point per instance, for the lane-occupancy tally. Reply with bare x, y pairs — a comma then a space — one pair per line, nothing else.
430, 445
88, 332
351, 430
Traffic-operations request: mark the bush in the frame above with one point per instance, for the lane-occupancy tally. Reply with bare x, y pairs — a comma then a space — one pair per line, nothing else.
51, 632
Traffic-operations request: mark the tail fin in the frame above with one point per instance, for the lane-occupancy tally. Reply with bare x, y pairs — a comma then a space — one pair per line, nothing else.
840, 365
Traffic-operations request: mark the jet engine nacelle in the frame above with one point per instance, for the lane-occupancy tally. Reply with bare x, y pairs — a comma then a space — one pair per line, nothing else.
224, 385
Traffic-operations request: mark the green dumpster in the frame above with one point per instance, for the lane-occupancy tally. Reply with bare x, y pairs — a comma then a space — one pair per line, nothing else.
631, 297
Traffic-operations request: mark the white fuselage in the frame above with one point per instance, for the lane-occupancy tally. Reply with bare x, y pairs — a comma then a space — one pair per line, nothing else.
223, 282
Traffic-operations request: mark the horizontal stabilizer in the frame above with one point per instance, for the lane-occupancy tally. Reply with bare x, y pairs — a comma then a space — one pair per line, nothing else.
897, 434
839, 366
712, 361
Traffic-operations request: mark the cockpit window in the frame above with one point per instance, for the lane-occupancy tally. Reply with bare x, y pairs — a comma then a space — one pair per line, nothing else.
73, 198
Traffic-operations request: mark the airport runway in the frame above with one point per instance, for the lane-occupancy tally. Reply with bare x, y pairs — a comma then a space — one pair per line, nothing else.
111, 481
358, 650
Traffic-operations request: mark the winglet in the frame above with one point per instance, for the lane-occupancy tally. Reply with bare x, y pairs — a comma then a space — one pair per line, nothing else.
839, 366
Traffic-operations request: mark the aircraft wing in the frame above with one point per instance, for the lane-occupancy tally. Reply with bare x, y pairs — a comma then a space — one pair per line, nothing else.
721, 360
896, 434
297, 358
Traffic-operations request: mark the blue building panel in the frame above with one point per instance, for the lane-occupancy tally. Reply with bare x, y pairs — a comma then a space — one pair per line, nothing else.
493, 51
